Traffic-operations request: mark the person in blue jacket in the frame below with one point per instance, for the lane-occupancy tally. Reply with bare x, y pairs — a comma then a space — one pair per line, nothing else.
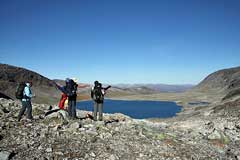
26, 102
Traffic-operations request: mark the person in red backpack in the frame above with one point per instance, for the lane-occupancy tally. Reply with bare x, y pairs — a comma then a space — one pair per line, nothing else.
63, 96
69, 91
62, 101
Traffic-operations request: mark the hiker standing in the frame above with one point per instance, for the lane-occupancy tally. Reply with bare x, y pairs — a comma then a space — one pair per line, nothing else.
71, 91
97, 94
26, 101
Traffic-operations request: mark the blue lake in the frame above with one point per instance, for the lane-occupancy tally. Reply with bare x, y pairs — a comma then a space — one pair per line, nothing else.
135, 109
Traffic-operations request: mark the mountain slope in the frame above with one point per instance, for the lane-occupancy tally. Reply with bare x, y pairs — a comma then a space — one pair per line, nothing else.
222, 80
43, 87
224, 83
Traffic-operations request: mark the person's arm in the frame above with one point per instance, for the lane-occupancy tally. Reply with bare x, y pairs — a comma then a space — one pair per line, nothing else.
107, 87
27, 92
61, 88
58, 86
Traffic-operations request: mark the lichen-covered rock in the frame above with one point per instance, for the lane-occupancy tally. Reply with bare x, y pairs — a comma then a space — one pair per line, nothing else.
215, 135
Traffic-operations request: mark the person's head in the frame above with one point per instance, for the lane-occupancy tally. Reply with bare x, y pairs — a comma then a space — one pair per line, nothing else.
75, 80
96, 83
67, 80
29, 83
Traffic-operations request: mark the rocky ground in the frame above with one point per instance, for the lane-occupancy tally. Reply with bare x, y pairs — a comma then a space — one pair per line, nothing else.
201, 132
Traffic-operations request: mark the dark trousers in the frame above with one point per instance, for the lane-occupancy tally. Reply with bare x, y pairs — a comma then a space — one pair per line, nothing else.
26, 105
72, 108
98, 107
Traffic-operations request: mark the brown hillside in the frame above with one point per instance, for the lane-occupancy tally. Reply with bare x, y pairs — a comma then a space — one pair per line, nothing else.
225, 83
43, 88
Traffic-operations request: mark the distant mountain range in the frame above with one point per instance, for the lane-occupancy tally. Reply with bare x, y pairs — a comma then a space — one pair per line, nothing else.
157, 87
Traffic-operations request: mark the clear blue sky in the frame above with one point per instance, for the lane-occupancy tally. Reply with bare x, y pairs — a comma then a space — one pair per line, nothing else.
121, 41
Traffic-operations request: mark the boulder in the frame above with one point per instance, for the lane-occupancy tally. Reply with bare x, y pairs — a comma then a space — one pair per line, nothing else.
56, 117
75, 125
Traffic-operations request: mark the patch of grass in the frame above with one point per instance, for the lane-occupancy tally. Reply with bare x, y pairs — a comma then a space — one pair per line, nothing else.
154, 135
225, 139
160, 136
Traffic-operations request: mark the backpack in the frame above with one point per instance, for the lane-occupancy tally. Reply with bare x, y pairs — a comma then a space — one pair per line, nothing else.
19, 90
71, 88
97, 94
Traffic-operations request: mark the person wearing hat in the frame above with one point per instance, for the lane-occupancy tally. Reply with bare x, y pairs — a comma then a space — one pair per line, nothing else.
26, 102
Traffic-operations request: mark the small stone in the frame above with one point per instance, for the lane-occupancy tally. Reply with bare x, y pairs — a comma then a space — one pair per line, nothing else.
229, 125
117, 129
88, 126
49, 150
82, 129
92, 154
4, 155
59, 153
141, 155
93, 133
31, 143
112, 157
105, 135
40, 147
99, 123
75, 125
86, 156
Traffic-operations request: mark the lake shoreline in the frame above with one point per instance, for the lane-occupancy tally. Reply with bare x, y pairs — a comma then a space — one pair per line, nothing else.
137, 109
